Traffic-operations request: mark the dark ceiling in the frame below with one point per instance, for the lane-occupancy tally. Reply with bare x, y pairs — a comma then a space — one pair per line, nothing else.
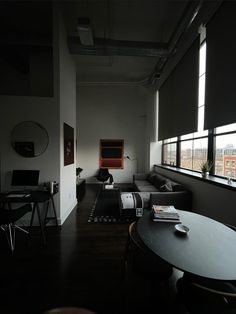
26, 22
130, 37
133, 39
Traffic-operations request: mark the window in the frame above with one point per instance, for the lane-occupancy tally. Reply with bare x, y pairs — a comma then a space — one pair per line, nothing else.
193, 153
225, 151
169, 154
169, 151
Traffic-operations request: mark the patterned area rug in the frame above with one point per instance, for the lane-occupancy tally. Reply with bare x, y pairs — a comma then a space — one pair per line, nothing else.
107, 208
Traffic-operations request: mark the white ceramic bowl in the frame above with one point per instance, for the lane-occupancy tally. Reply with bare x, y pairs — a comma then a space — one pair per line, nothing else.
182, 228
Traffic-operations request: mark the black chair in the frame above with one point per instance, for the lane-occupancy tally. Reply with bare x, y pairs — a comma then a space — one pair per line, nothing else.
143, 261
8, 217
103, 175
146, 275
206, 295
78, 171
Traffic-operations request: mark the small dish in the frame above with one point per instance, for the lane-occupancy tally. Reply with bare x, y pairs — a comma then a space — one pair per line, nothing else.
182, 228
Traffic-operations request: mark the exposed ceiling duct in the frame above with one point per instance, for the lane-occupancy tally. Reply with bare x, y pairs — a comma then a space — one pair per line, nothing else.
187, 19
111, 47
189, 16
131, 41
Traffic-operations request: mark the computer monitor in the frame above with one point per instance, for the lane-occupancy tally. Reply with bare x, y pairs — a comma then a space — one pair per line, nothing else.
25, 178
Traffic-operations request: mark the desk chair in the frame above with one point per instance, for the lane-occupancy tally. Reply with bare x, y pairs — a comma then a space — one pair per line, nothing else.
146, 275
103, 175
7, 222
144, 261
206, 295
202, 292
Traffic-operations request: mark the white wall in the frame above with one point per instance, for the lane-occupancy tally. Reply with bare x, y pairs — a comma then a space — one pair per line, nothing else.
111, 112
67, 76
50, 112
43, 110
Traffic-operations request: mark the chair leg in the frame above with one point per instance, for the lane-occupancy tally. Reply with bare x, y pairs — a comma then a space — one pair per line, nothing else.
21, 229
11, 237
10, 234
125, 258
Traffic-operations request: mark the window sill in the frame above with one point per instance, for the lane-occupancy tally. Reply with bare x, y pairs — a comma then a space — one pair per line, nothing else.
211, 179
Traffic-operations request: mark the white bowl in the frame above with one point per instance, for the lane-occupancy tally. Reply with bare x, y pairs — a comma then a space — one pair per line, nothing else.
182, 228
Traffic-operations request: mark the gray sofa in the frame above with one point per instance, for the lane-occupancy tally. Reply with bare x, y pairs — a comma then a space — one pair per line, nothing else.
155, 188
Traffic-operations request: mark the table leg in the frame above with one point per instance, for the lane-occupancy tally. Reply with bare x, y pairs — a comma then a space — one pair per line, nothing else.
46, 218
46, 213
40, 223
54, 210
32, 218
36, 207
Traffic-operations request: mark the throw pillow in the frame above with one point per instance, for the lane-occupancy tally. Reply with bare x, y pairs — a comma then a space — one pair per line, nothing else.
159, 181
167, 187
129, 203
131, 200
151, 177
176, 187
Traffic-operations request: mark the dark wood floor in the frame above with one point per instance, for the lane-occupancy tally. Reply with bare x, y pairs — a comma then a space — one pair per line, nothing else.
81, 265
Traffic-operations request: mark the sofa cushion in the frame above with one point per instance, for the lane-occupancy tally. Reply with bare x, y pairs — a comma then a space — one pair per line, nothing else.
167, 187
176, 187
151, 177
140, 176
147, 188
156, 182
159, 181
142, 182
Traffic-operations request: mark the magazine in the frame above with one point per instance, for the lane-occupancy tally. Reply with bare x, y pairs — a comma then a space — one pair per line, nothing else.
165, 213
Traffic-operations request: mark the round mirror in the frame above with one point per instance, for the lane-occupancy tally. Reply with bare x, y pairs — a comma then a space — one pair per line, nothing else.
29, 139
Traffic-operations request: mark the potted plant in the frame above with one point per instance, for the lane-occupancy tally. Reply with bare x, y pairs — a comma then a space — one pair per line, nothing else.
205, 168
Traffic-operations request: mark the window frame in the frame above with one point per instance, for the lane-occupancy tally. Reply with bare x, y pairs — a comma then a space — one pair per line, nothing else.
211, 150
170, 142
214, 135
190, 139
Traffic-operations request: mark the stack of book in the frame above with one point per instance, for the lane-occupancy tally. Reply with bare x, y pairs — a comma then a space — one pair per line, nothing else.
165, 213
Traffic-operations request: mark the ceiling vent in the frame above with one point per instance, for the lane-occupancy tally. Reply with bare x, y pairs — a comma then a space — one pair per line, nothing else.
85, 31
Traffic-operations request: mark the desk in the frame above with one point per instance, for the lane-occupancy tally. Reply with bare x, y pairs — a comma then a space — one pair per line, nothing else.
208, 250
34, 197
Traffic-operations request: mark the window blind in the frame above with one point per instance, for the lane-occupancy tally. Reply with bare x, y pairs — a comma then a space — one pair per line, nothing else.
220, 102
178, 97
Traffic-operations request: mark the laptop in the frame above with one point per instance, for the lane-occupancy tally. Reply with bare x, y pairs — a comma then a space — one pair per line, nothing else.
23, 181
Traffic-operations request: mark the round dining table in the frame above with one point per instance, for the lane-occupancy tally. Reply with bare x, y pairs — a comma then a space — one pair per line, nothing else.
207, 250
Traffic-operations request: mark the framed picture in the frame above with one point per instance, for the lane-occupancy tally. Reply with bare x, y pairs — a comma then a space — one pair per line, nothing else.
112, 154
68, 145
